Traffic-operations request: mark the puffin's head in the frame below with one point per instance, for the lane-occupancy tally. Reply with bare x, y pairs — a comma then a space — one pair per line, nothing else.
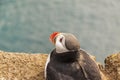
64, 42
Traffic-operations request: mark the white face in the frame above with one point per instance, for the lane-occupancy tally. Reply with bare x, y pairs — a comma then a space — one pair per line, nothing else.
60, 44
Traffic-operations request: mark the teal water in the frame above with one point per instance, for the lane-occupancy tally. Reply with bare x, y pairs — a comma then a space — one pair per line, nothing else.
25, 25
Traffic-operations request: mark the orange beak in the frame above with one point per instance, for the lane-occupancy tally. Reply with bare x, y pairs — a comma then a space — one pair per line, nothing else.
53, 36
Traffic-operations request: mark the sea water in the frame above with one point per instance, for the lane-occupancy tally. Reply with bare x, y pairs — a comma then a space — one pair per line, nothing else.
25, 25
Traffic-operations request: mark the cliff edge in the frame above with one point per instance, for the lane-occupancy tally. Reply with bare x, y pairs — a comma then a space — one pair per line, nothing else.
22, 66
27, 66
112, 66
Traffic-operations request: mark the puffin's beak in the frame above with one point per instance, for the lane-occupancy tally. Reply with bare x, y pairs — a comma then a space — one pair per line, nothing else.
53, 36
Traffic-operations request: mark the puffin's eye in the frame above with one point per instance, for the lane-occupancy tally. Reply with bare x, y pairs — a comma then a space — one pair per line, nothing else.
61, 39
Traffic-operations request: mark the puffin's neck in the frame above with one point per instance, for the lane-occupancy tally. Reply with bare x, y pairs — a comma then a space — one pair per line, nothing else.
66, 56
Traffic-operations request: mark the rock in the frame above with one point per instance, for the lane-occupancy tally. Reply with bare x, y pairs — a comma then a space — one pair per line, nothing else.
27, 66
22, 66
112, 66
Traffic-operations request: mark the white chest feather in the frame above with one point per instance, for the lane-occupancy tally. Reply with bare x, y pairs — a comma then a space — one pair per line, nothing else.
48, 60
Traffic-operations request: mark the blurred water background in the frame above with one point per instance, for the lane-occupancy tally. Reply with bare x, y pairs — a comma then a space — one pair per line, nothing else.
25, 25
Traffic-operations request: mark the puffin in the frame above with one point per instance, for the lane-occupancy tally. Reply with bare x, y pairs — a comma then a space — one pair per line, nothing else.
68, 61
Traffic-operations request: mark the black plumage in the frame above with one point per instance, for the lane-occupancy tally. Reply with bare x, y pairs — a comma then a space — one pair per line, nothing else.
72, 65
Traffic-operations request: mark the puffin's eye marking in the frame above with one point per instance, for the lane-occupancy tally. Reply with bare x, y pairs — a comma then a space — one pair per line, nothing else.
61, 39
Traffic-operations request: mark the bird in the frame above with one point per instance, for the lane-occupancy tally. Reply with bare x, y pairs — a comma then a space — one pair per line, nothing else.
68, 61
